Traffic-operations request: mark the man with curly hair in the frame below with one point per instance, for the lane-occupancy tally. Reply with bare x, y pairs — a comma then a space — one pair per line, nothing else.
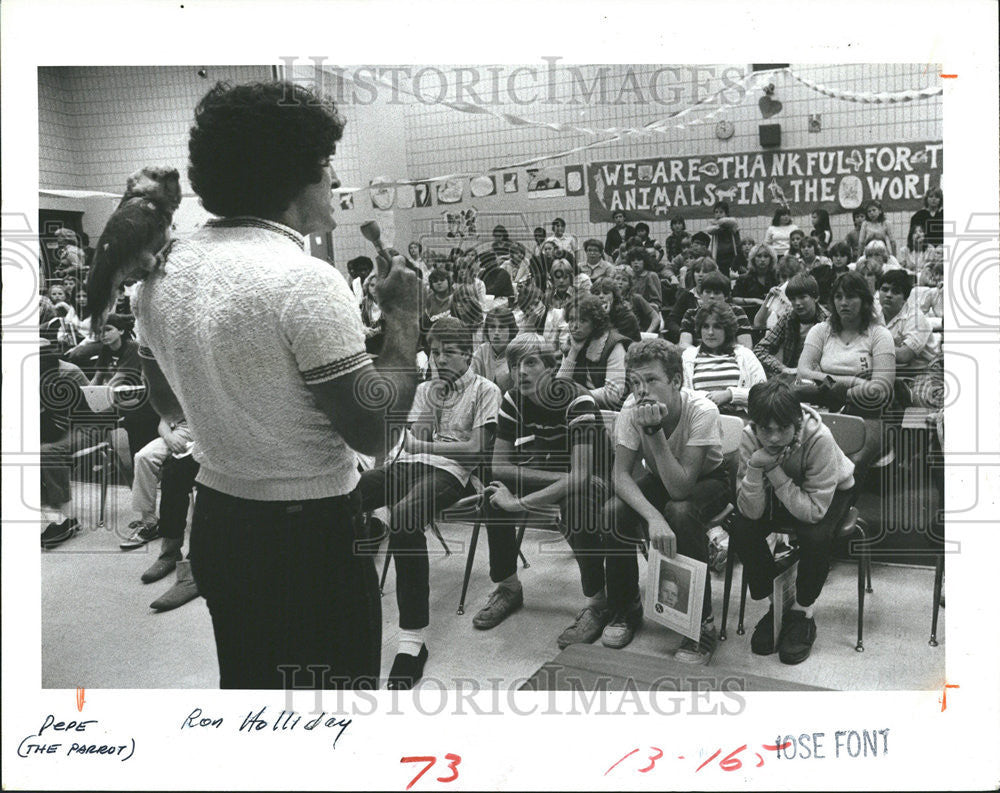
279, 391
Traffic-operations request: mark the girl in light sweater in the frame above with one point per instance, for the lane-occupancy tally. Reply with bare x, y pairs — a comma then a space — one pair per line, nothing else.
779, 234
718, 367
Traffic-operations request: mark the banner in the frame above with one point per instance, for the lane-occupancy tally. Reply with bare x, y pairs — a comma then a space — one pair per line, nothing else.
836, 178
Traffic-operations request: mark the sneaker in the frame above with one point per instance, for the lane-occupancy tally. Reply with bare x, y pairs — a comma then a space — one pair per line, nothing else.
587, 627
698, 652
718, 553
57, 533
502, 603
141, 534
798, 632
622, 628
762, 641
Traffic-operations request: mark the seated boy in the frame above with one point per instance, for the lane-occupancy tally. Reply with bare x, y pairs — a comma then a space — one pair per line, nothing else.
647, 282
450, 422
675, 432
792, 474
781, 347
715, 288
551, 451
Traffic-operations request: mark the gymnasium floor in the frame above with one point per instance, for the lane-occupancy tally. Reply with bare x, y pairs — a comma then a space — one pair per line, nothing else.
98, 630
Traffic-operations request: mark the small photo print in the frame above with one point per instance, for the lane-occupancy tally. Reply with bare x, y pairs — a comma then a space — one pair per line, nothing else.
347, 201
422, 194
547, 182
674, 589
510, 182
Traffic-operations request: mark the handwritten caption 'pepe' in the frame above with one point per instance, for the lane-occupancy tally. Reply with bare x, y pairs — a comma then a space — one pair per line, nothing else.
285, 721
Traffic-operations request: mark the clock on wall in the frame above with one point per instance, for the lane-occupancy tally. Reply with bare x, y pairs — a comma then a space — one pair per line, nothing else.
724, 130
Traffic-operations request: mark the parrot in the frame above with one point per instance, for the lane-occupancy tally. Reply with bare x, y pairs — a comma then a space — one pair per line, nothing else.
134, 238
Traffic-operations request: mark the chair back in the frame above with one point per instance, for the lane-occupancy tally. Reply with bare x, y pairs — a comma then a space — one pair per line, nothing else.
732, 430
610, 418
848, 431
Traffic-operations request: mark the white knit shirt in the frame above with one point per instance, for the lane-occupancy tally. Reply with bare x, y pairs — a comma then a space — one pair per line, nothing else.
239, 320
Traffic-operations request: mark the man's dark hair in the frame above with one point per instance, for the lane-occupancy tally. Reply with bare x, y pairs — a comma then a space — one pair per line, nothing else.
451, 330
899, 280
716, 282
802, 284
255, 147
775, 401
701, 237
723, 205
641, 227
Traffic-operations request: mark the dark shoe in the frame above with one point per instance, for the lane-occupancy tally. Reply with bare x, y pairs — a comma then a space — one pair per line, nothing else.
698, 652
762, 641
798, 632
170, 555
184, 591
588, 625
141, 534
57, 533
622, 628
502, 603
407, 670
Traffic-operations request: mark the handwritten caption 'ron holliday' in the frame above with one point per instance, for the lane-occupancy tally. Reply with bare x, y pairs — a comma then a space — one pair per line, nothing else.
285, 721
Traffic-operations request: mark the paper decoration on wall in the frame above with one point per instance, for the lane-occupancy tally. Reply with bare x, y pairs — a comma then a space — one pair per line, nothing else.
548, 182
574, 180
450, 191
815, 123
422, 194
850, 192
462, 224
769, 106
510, 182
347, 201
405, 196
482, 186
382, 192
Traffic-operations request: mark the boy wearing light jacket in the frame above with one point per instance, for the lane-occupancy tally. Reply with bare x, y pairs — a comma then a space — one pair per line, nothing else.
792, 474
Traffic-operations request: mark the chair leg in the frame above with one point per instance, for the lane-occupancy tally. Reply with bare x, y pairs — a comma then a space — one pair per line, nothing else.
105, 474
726, 593
744, 585
385, 569
938, 581
520, 538
437, 533
468, 564
863, 571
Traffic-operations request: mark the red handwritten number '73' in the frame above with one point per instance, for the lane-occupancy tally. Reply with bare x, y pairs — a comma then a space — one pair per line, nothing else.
453, 759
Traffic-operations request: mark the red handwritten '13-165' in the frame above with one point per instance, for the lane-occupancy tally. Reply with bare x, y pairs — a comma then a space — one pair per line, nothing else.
453, 761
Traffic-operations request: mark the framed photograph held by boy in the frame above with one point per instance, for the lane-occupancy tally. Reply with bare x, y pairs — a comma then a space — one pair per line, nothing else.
669, 589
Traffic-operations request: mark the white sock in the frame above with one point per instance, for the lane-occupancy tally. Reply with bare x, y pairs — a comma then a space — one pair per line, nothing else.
717, 534
598, 601
410, 642
808, 610
511, 583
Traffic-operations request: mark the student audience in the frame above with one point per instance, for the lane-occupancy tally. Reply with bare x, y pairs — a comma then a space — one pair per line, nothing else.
510, 401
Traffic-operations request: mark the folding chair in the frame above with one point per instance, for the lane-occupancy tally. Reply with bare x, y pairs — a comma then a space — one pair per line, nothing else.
849, 433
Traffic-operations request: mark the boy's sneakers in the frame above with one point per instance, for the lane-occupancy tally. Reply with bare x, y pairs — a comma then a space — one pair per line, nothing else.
762, 641
141, 534
718, 552
57, 533
622, 627
798, 632
589, 624
698, 652
502, 603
